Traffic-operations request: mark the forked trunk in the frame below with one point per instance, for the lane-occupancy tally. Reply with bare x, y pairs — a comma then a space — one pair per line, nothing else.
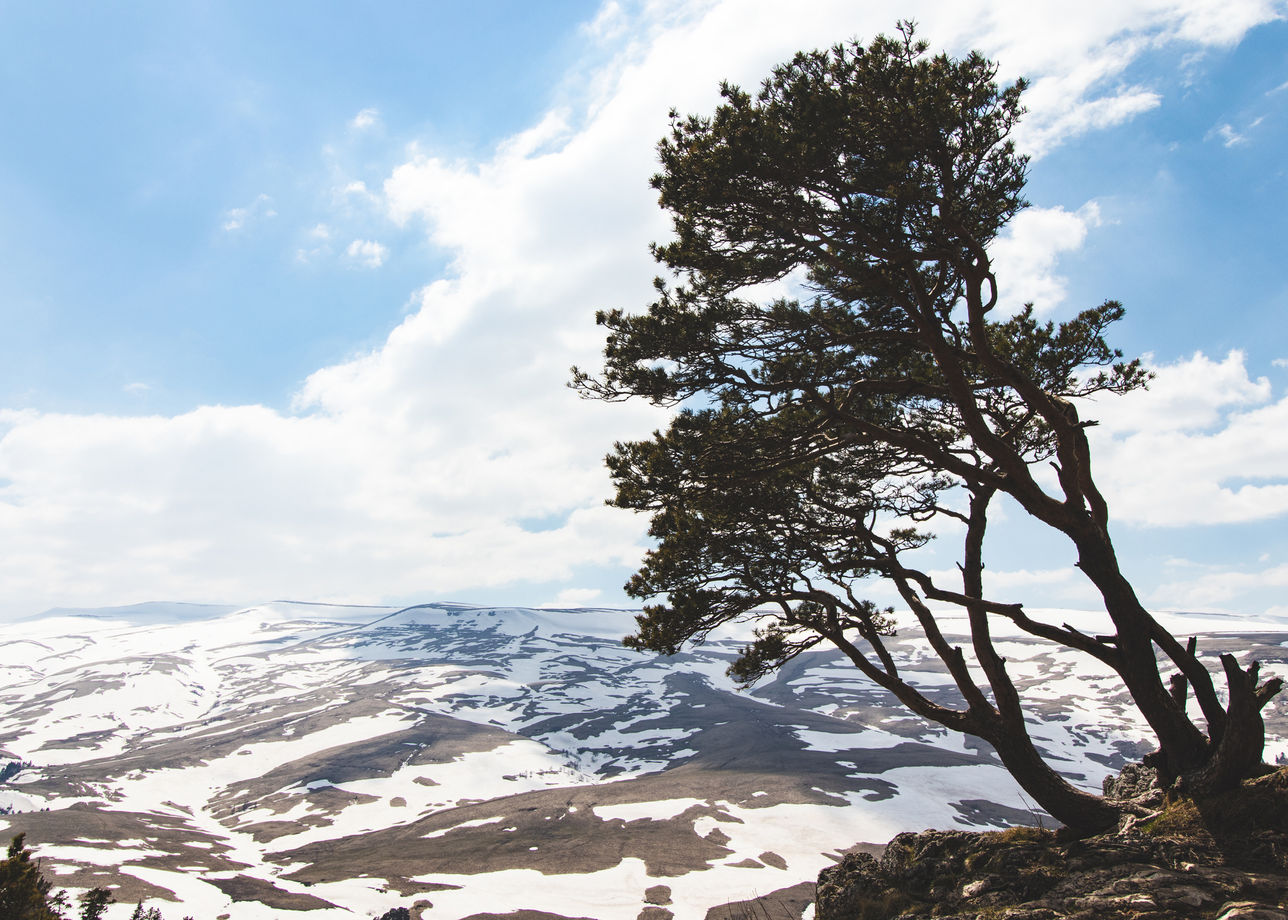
1238, 754
1232, 749
1082, 812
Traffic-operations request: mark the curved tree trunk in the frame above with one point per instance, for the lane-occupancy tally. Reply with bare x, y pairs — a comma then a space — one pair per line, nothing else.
1232, 749
1082, 515
1183, 746
1080, 811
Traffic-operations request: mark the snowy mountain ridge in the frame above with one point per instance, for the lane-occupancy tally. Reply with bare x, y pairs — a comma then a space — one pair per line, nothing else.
469, 761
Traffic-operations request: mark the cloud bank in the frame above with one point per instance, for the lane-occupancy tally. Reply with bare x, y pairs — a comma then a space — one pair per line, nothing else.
451, 459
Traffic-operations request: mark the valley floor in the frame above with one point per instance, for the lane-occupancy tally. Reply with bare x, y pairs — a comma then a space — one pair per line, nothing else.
336, 762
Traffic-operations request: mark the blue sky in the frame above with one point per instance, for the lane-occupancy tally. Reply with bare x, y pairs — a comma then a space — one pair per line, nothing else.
138, 128
290, 291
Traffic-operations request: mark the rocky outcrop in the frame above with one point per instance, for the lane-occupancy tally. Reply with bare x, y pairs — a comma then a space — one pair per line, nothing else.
1225, 858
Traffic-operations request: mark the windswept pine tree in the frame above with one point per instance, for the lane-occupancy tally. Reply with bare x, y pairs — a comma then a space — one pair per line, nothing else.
24, 891
819, 440
94, 903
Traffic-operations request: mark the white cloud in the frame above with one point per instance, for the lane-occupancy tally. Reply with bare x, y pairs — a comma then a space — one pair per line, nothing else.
367, 253
1231, 137
243, 502
259, 209
1022, 578
317, 243
409, 469
1188, 395
1041, 135
365, 119
1205, 444
1219, 589
137, 388
609, 23
574, 597
1064, 585
1024, 258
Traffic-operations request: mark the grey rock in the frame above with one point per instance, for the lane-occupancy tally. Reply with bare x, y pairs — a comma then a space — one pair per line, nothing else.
1249, 910
1028, 874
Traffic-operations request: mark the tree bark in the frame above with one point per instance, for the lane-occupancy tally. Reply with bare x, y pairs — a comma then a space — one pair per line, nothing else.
1082, 812
1238, 755
1183, 746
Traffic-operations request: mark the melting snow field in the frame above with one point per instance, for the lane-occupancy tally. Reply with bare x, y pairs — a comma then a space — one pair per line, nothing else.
332, 762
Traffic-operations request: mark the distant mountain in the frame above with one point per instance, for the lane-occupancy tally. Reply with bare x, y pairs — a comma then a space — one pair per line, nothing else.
152, 612
340, 761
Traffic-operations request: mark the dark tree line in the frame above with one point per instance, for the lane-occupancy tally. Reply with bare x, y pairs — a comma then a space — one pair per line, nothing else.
817, 440
25, 894
12, 769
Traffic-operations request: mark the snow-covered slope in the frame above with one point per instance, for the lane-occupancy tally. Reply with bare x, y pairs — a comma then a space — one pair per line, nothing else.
339, 761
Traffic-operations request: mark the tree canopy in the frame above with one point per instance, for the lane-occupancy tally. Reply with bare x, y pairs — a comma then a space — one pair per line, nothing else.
24, 890
817, 439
